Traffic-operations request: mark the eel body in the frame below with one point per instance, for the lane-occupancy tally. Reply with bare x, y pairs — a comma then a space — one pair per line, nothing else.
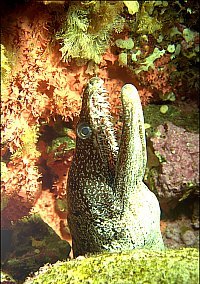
109, 206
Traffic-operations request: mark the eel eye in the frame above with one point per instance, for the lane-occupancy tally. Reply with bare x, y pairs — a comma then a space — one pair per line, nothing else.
84, 131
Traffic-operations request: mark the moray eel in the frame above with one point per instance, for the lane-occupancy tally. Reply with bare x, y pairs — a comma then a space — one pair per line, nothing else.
109, 206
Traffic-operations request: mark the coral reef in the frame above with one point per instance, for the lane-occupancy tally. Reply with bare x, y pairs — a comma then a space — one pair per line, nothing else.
151, 44
157, 32
37, 93
138, 266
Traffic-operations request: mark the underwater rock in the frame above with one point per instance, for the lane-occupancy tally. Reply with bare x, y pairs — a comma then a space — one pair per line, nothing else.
195, 215
34, 243
173, 233
137, 266
176, 175
189, 238
180, 233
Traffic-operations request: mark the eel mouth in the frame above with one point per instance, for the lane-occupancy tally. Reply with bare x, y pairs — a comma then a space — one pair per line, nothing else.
100, 121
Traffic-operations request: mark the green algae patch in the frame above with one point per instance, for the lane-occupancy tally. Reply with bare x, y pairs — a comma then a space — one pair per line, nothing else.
138, 266
179, 115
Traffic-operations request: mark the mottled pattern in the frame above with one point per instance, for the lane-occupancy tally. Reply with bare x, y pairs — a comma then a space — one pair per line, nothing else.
110, 208
179, 174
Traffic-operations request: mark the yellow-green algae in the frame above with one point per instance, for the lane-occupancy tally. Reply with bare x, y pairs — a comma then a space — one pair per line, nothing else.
86, 31
137, 266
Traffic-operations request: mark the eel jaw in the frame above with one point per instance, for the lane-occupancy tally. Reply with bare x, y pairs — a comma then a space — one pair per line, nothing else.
97, 107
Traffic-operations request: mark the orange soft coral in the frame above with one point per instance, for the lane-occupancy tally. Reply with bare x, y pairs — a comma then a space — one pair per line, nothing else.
21, 176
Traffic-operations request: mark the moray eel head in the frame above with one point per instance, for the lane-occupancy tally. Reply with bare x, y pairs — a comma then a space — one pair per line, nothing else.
95, 128
109, 206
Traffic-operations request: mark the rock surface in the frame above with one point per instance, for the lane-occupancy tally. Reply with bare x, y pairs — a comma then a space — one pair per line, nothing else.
173, 154
180, 233
33, 244
178, 153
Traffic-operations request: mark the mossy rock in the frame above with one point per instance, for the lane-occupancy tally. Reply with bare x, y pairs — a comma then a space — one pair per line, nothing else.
33, 243
138, 266
181, 116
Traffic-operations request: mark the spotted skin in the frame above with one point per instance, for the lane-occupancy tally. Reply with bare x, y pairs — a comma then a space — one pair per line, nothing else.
109, 206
